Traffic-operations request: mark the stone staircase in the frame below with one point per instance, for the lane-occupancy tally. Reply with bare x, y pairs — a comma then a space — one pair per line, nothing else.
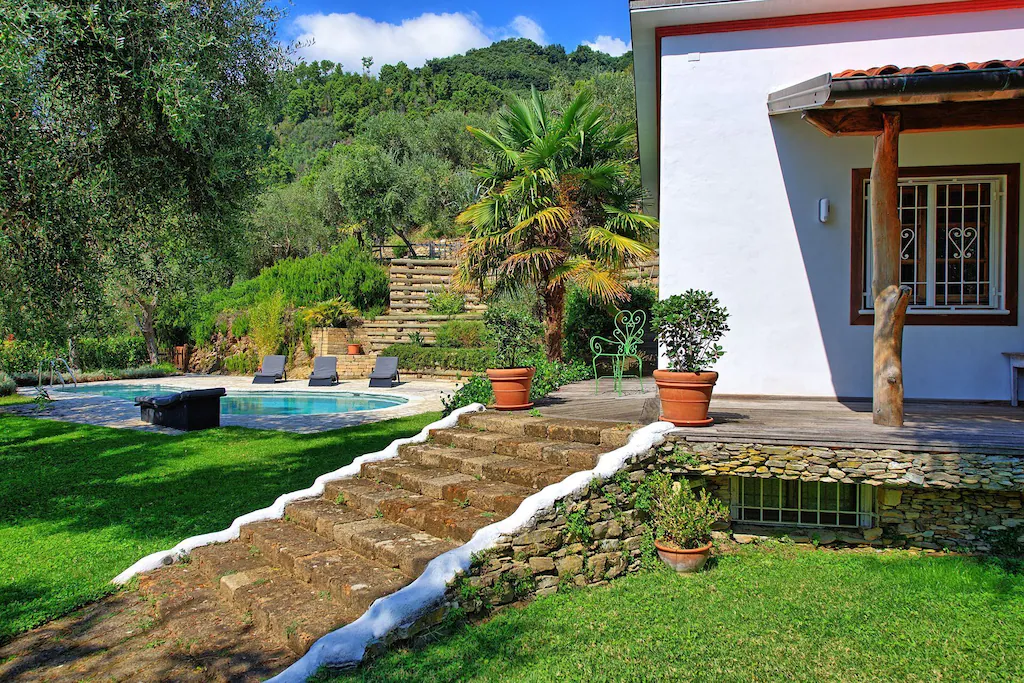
291, 581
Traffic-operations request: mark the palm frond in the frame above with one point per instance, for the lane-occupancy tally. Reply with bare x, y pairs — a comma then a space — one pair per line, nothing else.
600, 284
549, 219
617, 247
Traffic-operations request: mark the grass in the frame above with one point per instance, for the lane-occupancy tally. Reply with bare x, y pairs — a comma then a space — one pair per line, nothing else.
783, 613
14, 400
78, 504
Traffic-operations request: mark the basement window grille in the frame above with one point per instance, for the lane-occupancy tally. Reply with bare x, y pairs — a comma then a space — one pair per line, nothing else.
782, 502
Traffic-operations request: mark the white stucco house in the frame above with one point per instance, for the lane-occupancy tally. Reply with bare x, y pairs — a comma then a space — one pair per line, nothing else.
757, 122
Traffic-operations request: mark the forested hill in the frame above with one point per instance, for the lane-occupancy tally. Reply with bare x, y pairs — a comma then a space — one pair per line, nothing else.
388, 157
475, 81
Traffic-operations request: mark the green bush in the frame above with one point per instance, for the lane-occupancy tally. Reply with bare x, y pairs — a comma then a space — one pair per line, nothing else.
7, 385
123, 351
513, 333
240, 325
412, 357
245, 363
267, 325
446, 302
112, 352
22, 356
689, 325
346, 271
585, 319
680, 517
476, 389
460, 334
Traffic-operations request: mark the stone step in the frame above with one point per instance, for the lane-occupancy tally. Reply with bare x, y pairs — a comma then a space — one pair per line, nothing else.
577, 456
274, 600
489, 496
595, 432
443, 519
528, 473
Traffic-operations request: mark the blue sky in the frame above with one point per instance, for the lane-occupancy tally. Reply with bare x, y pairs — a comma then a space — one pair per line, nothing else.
414, 31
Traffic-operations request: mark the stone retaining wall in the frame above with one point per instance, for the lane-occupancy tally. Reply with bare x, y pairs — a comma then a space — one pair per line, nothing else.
856, 466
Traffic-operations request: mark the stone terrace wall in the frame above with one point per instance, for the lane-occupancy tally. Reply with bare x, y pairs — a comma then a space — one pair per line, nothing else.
855, 466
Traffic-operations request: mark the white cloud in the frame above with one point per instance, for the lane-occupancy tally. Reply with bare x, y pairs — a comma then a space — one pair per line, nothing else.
525, 27
347, 38
609, 45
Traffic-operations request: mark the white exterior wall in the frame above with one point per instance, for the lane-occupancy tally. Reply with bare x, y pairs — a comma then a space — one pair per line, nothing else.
739, 195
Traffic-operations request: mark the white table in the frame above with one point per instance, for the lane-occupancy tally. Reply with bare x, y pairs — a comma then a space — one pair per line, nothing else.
1016, 363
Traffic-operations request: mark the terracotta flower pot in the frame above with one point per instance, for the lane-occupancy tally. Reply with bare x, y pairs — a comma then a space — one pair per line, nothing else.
683, 561
511, 388
685, 396
355, 349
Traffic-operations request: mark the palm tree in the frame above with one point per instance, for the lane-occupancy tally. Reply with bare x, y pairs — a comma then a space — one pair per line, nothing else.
560, 204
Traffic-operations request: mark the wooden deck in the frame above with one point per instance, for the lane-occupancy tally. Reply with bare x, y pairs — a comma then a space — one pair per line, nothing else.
992, 429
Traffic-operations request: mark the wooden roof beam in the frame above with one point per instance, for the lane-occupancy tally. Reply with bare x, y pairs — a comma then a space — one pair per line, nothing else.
920, 118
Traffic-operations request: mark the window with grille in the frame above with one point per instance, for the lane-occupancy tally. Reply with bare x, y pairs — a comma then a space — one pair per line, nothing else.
958, 243
801, 503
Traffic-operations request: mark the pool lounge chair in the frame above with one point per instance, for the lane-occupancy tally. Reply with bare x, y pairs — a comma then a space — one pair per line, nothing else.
271, 370
187, 410
385, 372
325, 371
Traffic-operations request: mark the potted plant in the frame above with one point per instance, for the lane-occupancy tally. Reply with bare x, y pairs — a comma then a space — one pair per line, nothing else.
689, 326
682, 522
514, 335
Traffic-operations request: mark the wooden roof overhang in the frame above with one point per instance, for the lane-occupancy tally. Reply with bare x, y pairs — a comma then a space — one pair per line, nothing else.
963, 99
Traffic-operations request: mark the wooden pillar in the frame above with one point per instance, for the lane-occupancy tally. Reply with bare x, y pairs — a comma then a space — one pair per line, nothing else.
891, 299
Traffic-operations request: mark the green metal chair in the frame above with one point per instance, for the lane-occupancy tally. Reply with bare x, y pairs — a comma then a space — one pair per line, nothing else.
627, 338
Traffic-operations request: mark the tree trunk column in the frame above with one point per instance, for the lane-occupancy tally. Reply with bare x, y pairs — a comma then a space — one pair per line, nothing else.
890, 298
554, 309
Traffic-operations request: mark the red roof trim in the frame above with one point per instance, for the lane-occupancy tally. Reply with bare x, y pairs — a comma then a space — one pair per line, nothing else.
891, 70
798, 20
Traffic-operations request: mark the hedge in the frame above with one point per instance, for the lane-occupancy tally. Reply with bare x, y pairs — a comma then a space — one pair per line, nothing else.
412, 358
90, 354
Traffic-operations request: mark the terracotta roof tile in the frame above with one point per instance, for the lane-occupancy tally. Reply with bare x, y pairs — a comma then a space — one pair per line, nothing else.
893, 70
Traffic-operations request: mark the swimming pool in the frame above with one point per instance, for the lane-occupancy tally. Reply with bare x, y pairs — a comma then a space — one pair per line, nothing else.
255, 402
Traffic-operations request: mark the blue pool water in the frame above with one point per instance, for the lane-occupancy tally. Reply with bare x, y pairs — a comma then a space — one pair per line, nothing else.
255, 403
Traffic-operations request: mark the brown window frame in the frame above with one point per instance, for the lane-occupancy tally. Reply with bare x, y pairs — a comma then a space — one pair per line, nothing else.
1011, 246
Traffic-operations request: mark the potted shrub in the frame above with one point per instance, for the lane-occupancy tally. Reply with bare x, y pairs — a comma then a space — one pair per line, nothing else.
514, 336
689, 326
682, 522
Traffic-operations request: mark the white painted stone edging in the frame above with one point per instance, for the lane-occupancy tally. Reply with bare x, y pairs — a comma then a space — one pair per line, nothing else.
276, 511
347, 645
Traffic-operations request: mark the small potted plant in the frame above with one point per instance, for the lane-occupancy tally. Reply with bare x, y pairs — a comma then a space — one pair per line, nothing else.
514, 335
682, 522
689, 326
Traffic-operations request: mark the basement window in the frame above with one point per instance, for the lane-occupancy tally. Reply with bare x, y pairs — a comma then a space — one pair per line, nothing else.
782, 502
958, 244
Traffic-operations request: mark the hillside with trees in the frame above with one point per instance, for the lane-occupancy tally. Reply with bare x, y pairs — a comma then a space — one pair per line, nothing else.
196, 175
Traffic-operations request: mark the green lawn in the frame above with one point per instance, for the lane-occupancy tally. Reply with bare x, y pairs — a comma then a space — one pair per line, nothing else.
781, 613
78, 504
14, 400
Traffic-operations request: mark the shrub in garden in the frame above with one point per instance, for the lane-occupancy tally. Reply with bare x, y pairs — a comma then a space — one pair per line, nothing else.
245, 363
476, 389
513, 333
267, 327
690, 325
111, 352
414, 357
549, 376
446, 302
7, 385
680, 518
460, 334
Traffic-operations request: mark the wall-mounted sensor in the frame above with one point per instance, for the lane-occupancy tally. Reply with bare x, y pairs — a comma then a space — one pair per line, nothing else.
824, 209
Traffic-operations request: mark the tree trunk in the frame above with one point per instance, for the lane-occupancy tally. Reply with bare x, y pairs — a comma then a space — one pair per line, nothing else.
554, 313
891, 299
412, 249
145, 325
